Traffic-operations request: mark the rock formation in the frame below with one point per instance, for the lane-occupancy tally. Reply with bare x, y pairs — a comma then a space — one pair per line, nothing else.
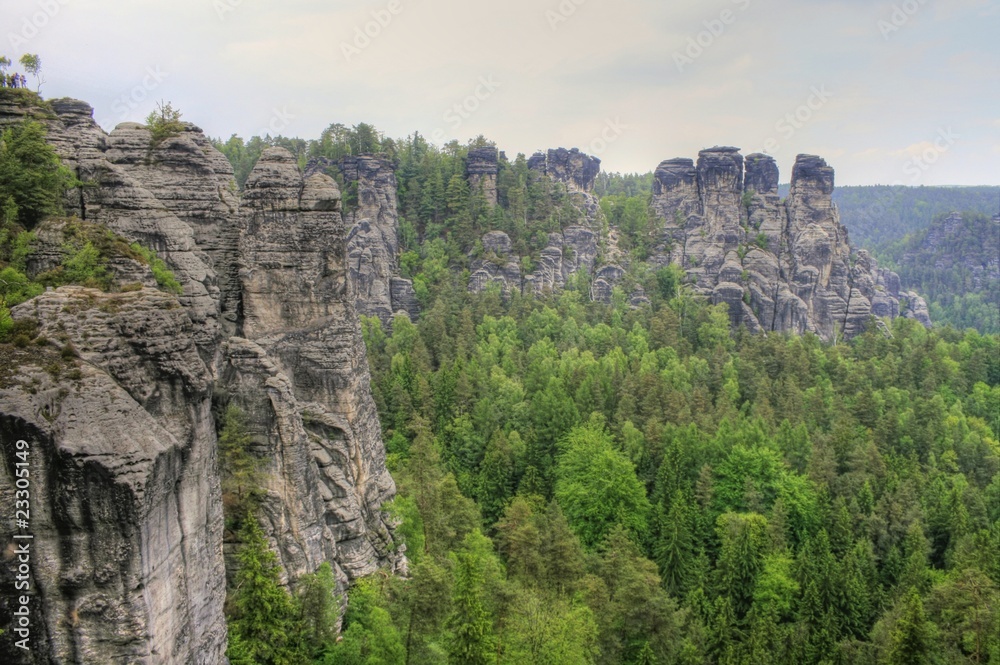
568, 252
577, 172
373, 239
481, 168
779, 266
299, 372
126, 509
128, 557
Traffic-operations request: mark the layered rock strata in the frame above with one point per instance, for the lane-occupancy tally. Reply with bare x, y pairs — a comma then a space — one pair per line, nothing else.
299, 372
577, 172
373, 239
126, 511
129, 535
482, 167
778, 265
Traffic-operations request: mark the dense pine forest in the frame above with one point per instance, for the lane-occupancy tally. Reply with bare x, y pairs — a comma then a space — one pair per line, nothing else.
955, 263
582, 482
881, 214
591, 483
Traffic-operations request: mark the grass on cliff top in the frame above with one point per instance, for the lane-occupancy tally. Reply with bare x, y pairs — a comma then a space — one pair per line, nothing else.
87, 250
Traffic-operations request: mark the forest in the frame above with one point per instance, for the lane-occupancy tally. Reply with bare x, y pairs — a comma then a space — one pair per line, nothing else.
595, 483
954, 264
581, 482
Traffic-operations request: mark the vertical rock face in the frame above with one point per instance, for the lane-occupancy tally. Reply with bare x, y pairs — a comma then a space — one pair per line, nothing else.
373, 239
499, 265
119, 171
761, 174
778, 266
481, 168
126, 506
129, 553
300, 373
195, 182
576, 169
578, 172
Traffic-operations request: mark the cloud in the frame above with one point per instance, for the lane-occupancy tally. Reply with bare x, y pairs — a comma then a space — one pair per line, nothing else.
561, 81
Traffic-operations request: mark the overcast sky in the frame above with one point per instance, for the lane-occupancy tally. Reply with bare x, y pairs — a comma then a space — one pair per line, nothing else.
905, 91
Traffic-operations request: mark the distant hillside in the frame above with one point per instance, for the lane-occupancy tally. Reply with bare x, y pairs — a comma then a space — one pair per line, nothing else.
955, 265
880, 214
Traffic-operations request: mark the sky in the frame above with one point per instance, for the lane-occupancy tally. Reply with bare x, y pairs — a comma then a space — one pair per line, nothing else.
898, 92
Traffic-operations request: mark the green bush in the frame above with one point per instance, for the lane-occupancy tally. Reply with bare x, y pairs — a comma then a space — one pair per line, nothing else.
163, 123
164, 277
32, 177
15, 287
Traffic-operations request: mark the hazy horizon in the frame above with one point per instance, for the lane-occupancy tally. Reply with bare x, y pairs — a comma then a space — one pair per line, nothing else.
887, 92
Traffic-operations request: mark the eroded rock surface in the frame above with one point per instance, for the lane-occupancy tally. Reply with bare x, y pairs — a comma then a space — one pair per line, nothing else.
126, 511
778, 265
373, 239
299, 371
129, 544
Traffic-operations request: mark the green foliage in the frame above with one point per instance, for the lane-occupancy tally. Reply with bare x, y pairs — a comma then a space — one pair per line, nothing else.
262, 629
911, 642
472, 641
597, 487
32, 177
161, 273
15, 287
655, 487
33, 65
318, 609
946, 264
704, 497
369, 637
163, 122
241, 470
881, 214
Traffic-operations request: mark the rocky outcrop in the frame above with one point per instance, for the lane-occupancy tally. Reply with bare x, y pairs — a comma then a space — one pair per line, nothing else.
129, 539
577, 172
571, 252
122, 185
195, 182
126, 510
373, 239
404, 297
779, 266
481, 168
299, 372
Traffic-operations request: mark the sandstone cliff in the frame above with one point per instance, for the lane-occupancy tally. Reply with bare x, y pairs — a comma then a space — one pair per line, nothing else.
373, 239
779, 265
568, 252
129, 560
126, 506
299, 371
